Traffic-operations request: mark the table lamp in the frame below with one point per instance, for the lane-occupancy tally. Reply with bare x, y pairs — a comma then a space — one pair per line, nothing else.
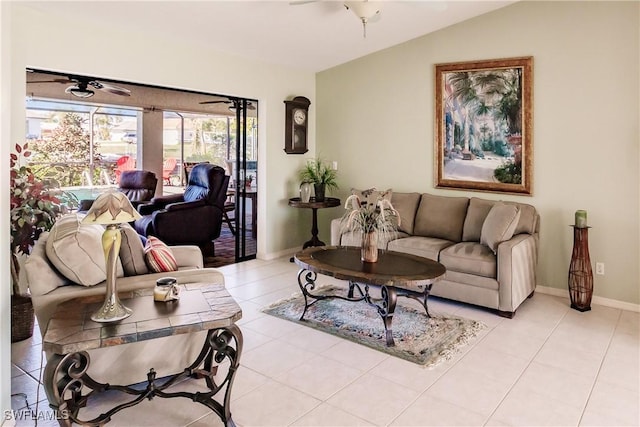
111, 209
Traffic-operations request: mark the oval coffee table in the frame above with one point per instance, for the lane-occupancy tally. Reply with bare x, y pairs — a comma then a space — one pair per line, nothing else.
395, 273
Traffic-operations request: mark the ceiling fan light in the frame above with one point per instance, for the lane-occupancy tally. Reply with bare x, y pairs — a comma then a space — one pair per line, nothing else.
364, 10
80, 92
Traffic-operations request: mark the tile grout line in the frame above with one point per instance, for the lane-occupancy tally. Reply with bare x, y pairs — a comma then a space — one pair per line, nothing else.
595, 378
526, 367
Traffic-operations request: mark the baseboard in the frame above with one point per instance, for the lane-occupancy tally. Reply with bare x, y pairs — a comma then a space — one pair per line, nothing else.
280, 254
607, 302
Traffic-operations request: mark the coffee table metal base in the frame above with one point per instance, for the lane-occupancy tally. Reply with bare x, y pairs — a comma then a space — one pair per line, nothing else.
66, 379
385, 306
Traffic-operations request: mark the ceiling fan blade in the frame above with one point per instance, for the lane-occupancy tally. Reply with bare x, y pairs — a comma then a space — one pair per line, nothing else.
116, 90
51, 81
214, 102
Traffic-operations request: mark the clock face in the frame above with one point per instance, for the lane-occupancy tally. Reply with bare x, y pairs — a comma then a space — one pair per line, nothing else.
299, 116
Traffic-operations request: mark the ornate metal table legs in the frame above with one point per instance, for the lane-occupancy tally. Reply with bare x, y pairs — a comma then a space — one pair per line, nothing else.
66, 379
385, 306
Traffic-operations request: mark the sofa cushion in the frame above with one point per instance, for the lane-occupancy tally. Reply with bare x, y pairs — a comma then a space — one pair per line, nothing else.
499, 225
132, 252
441, 217
476, 213
469, 257
427, 247
76, 251
406, 204
528, 222
159, 256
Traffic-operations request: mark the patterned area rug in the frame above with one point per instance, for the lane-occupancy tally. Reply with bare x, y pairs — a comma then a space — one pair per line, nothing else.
419, 339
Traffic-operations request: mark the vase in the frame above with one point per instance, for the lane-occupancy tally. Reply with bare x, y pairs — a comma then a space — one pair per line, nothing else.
319, 192
305, 192
369, 249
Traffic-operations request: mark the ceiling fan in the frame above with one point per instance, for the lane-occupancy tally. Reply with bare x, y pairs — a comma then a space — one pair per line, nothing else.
233, 103
366, 11
80, 86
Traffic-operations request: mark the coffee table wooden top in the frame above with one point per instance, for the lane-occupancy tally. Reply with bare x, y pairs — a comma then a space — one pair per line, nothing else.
202, 306
392, 269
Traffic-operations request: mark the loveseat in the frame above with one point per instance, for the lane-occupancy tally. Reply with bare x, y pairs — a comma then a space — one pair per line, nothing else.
490, 248
84, 261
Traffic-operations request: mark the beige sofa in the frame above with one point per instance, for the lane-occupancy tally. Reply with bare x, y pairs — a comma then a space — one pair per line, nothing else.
490, 249
123, 364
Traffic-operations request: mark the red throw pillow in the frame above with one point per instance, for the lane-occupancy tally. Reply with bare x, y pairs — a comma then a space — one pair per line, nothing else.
158, 256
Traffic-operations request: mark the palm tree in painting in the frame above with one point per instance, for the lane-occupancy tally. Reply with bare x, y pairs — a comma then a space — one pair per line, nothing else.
497, 93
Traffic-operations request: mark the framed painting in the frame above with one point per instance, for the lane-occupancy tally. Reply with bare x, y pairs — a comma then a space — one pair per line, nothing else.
483, 124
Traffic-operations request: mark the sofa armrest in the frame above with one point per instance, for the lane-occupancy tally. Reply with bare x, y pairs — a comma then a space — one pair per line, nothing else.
188, 256
517, 263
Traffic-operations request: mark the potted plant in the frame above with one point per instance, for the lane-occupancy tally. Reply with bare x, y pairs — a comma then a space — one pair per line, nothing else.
321, 175
371, 213
34, 209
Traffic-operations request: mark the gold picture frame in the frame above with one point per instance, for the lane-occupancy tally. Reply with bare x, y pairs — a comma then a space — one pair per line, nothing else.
484, 121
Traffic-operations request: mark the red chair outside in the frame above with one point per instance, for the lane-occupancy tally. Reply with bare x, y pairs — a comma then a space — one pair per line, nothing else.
124, 163
167, 168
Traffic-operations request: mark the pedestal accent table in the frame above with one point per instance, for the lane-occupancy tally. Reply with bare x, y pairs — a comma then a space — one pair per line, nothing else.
329, 202
580, 274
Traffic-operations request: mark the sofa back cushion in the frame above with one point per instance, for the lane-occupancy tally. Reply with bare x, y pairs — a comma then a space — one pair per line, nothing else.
406, 204
76, 251
42, 277
441, 217
476, 214
479, 209
528, 222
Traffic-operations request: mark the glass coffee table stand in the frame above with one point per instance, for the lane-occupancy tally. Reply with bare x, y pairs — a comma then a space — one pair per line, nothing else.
395, 273
70, 333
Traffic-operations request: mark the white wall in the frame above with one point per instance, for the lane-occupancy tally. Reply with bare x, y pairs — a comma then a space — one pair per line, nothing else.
376, 115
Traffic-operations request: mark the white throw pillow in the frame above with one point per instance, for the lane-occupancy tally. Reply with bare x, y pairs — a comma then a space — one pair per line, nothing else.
76, 251
499, 225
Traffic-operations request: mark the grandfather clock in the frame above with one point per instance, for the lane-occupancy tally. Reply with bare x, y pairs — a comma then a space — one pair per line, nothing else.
296, 125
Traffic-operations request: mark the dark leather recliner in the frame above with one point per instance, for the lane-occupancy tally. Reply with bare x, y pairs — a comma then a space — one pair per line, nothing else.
138, 185
194, 217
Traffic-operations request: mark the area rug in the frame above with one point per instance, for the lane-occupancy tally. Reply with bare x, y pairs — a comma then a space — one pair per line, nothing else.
419, 339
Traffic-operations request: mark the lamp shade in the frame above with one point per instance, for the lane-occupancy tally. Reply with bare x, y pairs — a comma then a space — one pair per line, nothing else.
112, 207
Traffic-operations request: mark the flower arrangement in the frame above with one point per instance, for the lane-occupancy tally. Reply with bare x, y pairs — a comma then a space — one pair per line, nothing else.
370, 210
34, 209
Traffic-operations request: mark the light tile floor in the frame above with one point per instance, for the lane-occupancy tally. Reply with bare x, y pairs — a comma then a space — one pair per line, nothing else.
549, 365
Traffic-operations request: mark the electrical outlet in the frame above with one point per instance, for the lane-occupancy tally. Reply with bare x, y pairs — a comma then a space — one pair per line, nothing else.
600, 268
334, 165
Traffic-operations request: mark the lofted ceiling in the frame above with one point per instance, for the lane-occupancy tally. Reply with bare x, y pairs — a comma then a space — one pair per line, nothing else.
310, 35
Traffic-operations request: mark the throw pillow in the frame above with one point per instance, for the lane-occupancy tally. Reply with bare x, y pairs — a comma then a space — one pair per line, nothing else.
75, 250
499, 225
159, 256
132, 252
